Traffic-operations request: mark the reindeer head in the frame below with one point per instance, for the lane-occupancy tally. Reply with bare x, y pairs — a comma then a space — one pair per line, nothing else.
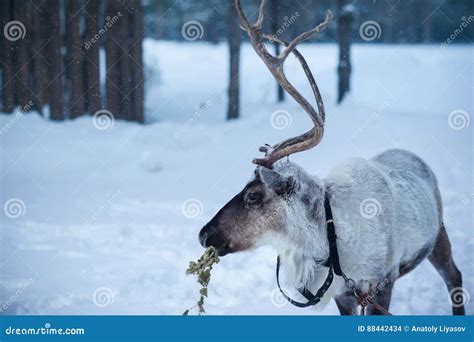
283, 203
272, 203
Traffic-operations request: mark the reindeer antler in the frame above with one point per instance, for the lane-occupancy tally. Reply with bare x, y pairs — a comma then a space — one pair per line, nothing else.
275, 64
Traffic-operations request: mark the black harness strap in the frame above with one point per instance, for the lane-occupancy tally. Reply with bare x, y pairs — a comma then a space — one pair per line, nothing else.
332, 239
332, 263
312, 299
334, 267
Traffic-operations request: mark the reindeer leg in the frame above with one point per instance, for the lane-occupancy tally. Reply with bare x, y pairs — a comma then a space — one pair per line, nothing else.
347, 304
381, 295
442, 259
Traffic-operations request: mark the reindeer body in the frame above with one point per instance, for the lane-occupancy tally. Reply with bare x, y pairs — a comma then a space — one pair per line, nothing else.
387, 213
388, 218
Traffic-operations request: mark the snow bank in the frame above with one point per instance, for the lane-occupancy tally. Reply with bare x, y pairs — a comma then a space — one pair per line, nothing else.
109, 218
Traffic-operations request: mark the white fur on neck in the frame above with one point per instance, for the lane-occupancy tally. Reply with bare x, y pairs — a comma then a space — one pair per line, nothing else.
299, 269
300, 246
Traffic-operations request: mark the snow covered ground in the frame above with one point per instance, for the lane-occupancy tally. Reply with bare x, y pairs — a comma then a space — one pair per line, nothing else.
106, 221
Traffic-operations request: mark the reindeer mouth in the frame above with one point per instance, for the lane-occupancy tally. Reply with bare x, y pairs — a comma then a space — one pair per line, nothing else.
221, 251
216, 240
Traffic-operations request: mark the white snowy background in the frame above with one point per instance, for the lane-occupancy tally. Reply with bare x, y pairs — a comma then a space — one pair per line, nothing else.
107, 219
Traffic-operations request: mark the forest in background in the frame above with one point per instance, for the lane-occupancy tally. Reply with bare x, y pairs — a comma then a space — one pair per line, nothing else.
51, 49
408, 21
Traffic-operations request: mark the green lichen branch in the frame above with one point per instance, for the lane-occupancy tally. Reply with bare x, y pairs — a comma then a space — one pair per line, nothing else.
202, 268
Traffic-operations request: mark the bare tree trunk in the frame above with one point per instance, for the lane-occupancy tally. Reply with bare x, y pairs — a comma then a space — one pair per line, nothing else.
112, 54
124, 85
30, 39
74, 59
274, 12
123, 43
56, 91
39, 55
391, 20
235, 38
211, 32
22, 57
136, 52
91, 60
159, 24
344, 30
8, 101
427, 33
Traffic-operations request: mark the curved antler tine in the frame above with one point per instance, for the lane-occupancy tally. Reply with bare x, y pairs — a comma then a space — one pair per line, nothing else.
300, 143
259, 23
267, 149
304, 141
275, 64
305, 36
244, 22
309, 76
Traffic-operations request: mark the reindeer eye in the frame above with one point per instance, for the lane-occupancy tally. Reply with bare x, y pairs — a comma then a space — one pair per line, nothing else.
254, 198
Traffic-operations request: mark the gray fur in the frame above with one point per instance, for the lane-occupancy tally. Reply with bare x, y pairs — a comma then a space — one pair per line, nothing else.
387, 212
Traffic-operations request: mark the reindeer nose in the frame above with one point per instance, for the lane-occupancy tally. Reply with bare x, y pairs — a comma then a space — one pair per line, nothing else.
209, 236
203, 237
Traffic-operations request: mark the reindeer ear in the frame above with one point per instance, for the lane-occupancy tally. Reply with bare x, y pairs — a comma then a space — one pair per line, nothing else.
273, 180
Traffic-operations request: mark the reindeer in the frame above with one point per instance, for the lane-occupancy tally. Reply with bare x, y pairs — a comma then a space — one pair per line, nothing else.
371, 221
